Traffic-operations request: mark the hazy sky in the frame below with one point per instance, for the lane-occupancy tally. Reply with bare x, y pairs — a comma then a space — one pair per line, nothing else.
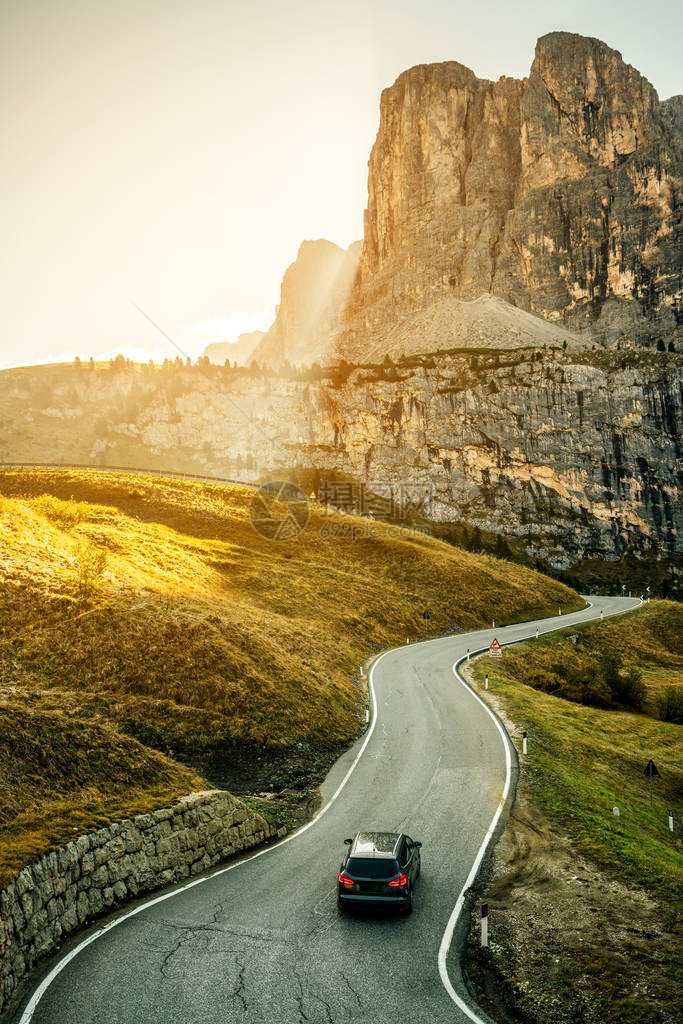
178, 153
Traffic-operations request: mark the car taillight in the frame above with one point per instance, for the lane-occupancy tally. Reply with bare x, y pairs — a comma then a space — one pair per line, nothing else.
398, 883
344, 879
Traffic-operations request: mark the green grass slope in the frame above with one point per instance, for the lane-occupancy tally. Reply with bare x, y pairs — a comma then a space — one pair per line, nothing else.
585, 761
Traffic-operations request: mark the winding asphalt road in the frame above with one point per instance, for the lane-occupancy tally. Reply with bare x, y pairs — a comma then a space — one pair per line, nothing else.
261, 942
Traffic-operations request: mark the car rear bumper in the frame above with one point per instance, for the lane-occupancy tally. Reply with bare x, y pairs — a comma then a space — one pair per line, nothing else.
349, 899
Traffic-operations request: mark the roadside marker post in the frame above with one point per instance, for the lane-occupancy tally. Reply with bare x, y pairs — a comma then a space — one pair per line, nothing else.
524, 742
468, 654
559, 611
361, 671
484, 924
601, 613
651, 770
671, 821
493, 624
486, 681
537, 632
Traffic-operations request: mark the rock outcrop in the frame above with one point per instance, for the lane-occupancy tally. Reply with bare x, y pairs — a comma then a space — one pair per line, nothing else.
560, 194
314, 294
240, 351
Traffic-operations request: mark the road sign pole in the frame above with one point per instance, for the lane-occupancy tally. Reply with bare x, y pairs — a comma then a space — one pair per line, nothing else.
651, 770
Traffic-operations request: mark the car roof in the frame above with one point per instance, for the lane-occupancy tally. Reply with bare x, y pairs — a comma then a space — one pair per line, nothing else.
375, 844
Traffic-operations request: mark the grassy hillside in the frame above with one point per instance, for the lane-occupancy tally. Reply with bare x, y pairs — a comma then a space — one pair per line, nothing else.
63, 774
611, 958
586, 760
139, 609
649, 640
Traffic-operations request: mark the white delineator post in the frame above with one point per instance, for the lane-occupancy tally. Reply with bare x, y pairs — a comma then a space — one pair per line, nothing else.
671, 821
468, 654
484, 924
493, 624
361, 670
601, 613
524, 742
486, 681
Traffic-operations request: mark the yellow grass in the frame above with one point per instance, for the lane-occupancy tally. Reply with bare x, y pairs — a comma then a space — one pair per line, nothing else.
198, 636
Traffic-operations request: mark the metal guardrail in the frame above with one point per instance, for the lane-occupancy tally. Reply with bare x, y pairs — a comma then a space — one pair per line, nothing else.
173, 473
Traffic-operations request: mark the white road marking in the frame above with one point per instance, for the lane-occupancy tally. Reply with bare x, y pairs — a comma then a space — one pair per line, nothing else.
447, 937
31, 1006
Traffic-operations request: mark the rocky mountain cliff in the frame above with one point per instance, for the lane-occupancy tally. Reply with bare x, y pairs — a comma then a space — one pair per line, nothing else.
314, 294
560, 194
512, 228
576, 454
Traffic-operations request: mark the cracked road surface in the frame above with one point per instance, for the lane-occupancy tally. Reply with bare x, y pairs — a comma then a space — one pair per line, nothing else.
263, 943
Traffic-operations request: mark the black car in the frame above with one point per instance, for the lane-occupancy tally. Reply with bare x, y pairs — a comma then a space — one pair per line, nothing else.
380, 869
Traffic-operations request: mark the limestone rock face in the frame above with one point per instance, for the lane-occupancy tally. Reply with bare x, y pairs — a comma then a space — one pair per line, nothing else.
560, 194
314, 293
442, 176
576, 452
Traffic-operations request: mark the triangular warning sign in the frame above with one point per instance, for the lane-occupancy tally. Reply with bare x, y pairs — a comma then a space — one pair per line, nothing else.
495, 650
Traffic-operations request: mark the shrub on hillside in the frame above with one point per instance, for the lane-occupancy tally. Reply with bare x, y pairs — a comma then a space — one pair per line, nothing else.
671, 705
547, 682
600, 684
90, 563
64, 514
629, 688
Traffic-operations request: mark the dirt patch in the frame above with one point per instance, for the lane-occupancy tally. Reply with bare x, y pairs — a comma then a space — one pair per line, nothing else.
283, 785
568, 942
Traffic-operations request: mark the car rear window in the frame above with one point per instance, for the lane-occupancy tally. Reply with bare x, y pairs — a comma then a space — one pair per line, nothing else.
370, 867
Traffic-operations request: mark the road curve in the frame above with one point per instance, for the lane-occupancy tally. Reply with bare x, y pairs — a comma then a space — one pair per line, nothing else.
261, 941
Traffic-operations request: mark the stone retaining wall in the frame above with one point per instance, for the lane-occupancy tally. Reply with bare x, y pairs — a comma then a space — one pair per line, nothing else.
96, 872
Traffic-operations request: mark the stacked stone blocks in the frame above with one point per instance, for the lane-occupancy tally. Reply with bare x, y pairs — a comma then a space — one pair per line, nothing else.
94, 873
